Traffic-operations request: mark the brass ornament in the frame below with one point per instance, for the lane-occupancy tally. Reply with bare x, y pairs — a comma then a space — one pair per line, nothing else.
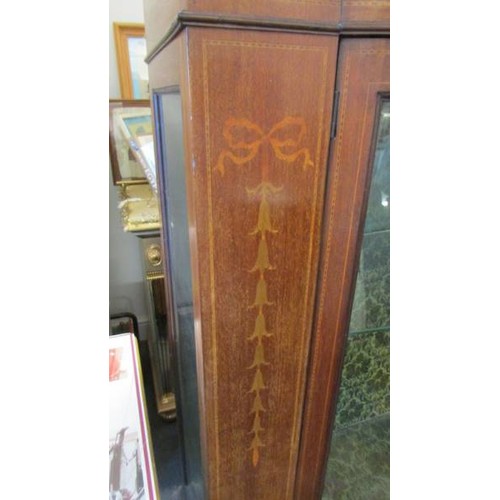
153, 254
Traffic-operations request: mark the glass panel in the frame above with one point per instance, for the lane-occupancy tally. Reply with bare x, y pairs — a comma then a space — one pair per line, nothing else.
130, 127
358, 465
138, 68
171, 154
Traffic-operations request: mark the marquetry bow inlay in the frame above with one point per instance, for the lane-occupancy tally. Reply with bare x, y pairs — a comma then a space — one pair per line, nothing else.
245, 139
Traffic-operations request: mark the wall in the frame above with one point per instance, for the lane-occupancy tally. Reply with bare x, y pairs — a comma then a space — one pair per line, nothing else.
126, 285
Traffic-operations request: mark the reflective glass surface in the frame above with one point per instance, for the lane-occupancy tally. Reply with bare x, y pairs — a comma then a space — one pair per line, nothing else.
171, 169
358, 464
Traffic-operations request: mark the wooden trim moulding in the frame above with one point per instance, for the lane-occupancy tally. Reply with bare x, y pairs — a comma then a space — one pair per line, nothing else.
122, 31
186, 18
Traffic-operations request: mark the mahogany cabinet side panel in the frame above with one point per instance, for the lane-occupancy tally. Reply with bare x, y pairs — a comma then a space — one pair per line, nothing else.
366, 11
257, 113
363, 74
304, 10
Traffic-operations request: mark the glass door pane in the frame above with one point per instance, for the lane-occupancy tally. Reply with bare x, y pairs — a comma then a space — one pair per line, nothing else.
358, 464
171, 170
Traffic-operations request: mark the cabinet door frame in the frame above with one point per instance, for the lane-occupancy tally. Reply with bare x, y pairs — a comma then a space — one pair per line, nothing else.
362, 80
172, 333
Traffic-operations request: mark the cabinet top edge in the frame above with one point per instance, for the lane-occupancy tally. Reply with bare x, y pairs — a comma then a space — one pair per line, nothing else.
187, 18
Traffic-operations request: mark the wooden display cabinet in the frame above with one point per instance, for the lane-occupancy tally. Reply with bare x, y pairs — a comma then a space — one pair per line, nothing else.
265, 118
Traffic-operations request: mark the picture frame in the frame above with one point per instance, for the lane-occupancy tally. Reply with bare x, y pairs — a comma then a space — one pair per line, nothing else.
131, 142
137, 129
130, 46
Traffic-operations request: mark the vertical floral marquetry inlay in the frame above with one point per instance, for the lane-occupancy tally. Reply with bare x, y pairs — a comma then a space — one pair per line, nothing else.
262, 265
284, 139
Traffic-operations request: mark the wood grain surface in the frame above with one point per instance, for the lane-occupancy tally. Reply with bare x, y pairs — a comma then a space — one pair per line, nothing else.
372, 11
309, 10
257, 110
363, 76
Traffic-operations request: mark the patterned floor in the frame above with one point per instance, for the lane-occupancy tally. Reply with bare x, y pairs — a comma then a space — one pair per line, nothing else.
358, 466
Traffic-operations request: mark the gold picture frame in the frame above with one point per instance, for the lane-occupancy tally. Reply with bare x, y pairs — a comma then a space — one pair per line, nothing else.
130, 46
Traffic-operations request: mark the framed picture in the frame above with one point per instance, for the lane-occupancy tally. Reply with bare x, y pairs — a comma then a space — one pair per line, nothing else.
131, 146
130, 54
132, 473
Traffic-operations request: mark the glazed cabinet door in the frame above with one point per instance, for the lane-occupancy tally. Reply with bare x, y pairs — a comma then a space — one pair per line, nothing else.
175, 237
358, 178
